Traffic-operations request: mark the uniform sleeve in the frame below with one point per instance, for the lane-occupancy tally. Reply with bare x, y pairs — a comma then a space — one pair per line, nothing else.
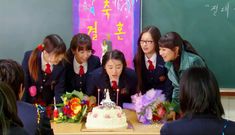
168, 89
175, 94
164, 130
90, 84
98, 64
133, 82
59, 86
27, 81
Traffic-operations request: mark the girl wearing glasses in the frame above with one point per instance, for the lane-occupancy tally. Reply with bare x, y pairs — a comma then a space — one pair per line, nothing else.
179, 55
149, 65
81, 62
44, 71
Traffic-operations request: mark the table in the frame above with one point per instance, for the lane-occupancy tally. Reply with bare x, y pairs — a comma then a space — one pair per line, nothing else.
138, 128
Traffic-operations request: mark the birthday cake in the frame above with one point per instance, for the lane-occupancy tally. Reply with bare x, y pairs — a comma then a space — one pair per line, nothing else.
106, 116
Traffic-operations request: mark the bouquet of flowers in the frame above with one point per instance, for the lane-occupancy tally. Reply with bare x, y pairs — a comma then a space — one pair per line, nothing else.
75, 106
152, 107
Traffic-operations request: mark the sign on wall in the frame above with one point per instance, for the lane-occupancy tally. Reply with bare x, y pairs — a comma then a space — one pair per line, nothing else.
112, 24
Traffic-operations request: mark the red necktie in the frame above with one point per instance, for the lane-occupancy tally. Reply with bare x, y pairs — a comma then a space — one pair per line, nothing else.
48, 68
151, 66
114, 85
81, 70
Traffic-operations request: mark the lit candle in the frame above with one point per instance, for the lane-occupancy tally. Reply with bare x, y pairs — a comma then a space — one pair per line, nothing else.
98, 96
55, 111
117, 96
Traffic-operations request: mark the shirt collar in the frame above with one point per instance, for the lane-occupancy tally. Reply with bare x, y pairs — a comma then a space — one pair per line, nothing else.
76, 66
153, 59
43, 63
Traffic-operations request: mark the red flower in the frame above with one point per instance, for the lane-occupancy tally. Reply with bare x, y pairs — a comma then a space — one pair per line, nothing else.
67, 111
156, 118
161, 111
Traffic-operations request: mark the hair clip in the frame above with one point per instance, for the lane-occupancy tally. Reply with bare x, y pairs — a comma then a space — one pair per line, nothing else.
57, 39
40, 47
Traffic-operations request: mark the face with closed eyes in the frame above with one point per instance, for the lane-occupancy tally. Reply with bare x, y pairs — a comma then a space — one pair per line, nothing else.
114, 69
52, 58
82, 55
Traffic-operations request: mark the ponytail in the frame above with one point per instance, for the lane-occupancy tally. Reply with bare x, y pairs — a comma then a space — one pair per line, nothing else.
188, 47
33, 62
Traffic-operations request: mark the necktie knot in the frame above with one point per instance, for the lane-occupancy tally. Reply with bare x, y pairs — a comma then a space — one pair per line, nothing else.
151, 66
48, 68
114, 85
81, 70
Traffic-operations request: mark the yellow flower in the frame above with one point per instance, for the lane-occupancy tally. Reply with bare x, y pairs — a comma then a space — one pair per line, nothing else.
75, 105
65, 100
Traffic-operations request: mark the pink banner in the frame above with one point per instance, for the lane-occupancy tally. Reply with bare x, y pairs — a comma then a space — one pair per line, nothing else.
112, 24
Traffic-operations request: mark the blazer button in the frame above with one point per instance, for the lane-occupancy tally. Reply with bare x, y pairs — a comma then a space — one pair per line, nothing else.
44, 80
80, 82
41, 87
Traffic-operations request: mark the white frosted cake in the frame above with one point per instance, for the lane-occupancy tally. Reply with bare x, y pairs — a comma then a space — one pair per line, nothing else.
106, 116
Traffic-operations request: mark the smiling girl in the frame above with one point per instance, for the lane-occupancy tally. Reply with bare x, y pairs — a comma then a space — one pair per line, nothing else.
81, 62
179, 55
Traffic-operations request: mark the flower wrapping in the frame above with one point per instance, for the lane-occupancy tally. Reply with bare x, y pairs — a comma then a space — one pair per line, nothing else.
152, 107
74, 108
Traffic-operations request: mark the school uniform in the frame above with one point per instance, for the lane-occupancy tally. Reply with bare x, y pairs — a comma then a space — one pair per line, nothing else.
47, 86
75, 81
28, 115
126, 84
187, 60
15, 129
204, 124
34, 122
151, 78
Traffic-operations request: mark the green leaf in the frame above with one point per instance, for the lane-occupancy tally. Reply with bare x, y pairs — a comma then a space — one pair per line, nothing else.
78, 94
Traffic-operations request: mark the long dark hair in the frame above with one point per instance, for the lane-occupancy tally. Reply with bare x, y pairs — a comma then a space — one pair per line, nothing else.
8, 109
12, 73
199, 93
172, 39
79, 42
52, 43
139, 57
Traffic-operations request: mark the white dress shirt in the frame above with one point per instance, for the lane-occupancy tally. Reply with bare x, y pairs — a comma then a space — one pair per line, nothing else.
43, 62
153, 59
76, 66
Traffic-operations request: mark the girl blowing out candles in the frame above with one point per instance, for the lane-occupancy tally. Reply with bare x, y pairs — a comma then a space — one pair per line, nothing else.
115, 76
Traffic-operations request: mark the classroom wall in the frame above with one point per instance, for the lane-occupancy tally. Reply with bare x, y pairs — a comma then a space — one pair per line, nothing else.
24, 24
228, 103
